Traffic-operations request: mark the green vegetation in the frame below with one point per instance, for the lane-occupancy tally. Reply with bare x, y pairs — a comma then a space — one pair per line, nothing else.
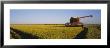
94, 32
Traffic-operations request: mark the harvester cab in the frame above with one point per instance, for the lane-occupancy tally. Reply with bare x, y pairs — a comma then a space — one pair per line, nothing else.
76, 21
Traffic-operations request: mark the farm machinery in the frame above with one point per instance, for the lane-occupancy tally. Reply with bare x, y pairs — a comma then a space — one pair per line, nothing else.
76, 21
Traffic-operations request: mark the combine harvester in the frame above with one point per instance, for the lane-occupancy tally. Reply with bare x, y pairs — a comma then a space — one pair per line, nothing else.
75, 22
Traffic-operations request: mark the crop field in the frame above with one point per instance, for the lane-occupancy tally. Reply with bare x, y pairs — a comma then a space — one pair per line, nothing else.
51, 31
94, 32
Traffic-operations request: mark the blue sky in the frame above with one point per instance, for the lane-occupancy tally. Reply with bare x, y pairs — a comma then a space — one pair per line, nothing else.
53, 16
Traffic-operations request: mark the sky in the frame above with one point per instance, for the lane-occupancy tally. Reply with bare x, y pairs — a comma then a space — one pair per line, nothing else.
53, 16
